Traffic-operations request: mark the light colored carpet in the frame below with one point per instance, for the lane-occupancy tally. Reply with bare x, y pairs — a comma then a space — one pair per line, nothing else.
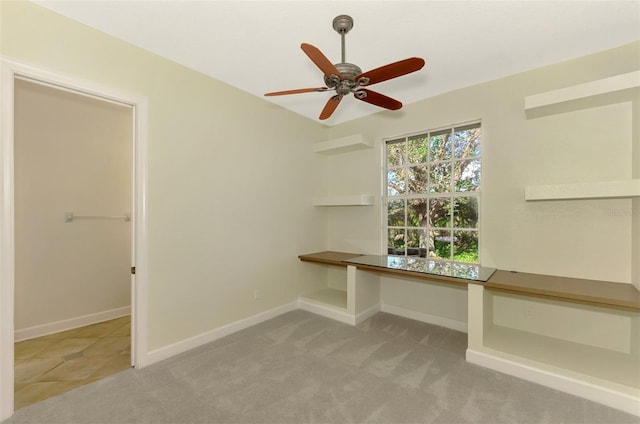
302, 368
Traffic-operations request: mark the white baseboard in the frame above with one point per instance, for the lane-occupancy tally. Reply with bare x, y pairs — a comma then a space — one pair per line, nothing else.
343, 316
69, 324
615, 399
215, 334
428, 318
367, 313
337, 314
326, 311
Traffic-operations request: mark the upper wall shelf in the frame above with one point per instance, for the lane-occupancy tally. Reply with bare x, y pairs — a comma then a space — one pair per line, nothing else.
592, 190
601, 92
343, 145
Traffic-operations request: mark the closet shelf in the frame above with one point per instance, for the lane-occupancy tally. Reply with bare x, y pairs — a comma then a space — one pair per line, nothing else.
350, 200
590, 190
343, 145
616, 89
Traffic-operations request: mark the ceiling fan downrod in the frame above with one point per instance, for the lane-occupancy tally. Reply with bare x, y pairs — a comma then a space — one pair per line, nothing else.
343, 24
348, 71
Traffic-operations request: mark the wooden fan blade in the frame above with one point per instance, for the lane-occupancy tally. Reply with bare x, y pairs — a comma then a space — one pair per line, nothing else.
320, 60
392, 70
330, 107
377, 99
297, 91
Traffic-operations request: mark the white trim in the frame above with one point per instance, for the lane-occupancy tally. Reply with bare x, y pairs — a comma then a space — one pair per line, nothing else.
451, 194
139, 253
69, 324
609, 397
428, 318
217, 333
303, 304
11, 70
6, 242
327, 311
367, 313
336, 314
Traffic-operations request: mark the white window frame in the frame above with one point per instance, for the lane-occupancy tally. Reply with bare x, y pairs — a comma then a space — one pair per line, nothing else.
408, 196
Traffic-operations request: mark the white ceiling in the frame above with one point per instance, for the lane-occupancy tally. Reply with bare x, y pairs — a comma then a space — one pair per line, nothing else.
255, 45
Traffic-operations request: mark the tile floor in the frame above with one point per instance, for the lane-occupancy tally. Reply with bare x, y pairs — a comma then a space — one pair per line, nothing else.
49, 365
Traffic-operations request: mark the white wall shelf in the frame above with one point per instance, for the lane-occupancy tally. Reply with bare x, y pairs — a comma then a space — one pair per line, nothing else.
343, 145
591, 190
616, 89
350, 200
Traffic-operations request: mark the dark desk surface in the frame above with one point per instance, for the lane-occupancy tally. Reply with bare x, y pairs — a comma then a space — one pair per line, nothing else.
579, 290
431, 267
412, 267
328, 257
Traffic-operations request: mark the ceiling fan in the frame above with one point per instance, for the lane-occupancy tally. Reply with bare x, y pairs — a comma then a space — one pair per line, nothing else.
347, 78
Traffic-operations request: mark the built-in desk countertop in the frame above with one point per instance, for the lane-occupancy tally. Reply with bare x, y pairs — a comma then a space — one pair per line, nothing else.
419, 268
577, 290
329, 258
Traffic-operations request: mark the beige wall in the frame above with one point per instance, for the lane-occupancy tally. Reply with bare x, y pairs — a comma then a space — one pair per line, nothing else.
575, 238
231, 178
72, 154
230, 181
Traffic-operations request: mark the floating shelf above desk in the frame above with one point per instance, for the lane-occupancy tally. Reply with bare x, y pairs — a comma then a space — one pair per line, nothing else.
616, 89
592, 190
343, 145
351, 200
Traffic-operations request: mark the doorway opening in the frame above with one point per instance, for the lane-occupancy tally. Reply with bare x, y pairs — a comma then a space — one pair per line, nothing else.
73, 185
120, 315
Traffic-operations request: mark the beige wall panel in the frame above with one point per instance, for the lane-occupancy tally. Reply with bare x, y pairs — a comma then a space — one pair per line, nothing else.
72, 154
570, 238
231, 178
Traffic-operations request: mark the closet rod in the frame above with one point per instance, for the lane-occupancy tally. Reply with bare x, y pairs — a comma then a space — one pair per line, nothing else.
70, 217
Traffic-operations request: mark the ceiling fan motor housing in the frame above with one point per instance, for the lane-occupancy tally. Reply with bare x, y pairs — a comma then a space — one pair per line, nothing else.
349, 72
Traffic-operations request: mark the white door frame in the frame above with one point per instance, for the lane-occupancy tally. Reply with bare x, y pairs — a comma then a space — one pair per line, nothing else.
12, 70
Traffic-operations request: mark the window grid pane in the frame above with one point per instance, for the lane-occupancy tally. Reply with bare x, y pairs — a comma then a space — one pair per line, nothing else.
433, 189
